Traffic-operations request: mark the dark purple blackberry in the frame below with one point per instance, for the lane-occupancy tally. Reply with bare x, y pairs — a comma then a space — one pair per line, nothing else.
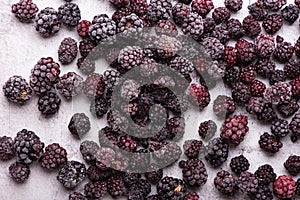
53, 157
283, 52
103, 29
182, 65
44, 75
77, 196
217, 152
209, 25
241, 92
248, 74
258, 10
130, 26
192, 26
278, 93
265, 45
192, 148
295, 83
95, 190
67, 51
289, 108
130, 56
292, 165
70, 85
179, 12
277, 76
7, 150
130, 178
47, 22
139, 7
280, 128
17, 90
284, 187
292, 68
49, 103
171, 188
85, 65
233, 5
176, 126
225, 183
119, 3
28, 146
200, 96
223, 106
120, 13
247, 182
231, 76
213, 47
235, 29
194, 173
221, 14
290, 13
272, 23
265, 174
251, 26
239, 164
83, 28
19, 172
69, 14
94, 85
267, 114
230, 56
25, 10
95, 173
86, 46
192, 196
257, 88
265, 67
111, 78
202, 7
127, 143
297, 47
159, 9
262, 193
79, 125
71, 174
255, 105
116, 121
167, 154
274, 5
154, 176
88, 150
221, 33
99, 106
139, 190
115, 186
269, 143
166, 27
246, 51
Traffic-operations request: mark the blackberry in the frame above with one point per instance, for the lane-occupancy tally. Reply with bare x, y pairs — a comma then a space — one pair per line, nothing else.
231, 76
235, 28
130, 57
167, 154
213, 47
154, 176
130, 25
53, 157
241, 92
272, 23
297, 48
171, 188
154, 197
67, 51
269, 143
192, 148
202, 7
230, 56
95, 190
88, 150
209, 25
283, 52
295, 83
28, 146
233, 5
130, 178
17, 90
94, 85
120, 3
120, 13
130, 89
239, 164
278, 93
86, 47
95, 173
49, 103
247, 182
262, 193
217, 152
265, 174
25, 10
139, 190
69, 14
258, 10
251, 26
277, 77
83, 28
274, 5
257, 88
298, 187
99, 106
115, 186
71, 174
179, 12
70, 85
284, 187
222, 33
246, 52
225, 183
265, 45
116, 121
221, 14
176, 126
255, 105
139, 7
265, 67
165, 48
268, 114
79, 125
47, 22
159, 9
166, 27
7, 150
292, 165
248, 74
103, 29
280, 128
194, 173
182, 65
192, 196
223, 106
200, 95
192, 26
290, 13
127, 143
19, 172
292, 68
77, 196
111, 78
287, 109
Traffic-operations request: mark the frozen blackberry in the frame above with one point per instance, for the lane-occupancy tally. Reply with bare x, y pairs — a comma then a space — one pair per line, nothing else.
88, 150
53, 157
176, 126
192, 26
292, 68
222, 33
277, 76
70, 85
130, 25
117, 121
283, 52
248, 74
166, 27
274, 5
130, 89
200, 95
246, 51
95, 173
99, 106
167, 154
231, 76
130, 56
267, 114
17, 90
230, 56
233, 5
182, 65
225, 183
258, 10
139, 7
280, 128
127, 143
192, 148
298, 187
269, 143
69, 14
115, 186
235, 28
213, 47
247, 182
86, 47
111, 78
262, 193
85, 65
265, 67
223, 106
154, 176
83, 28
221, 14
217, 152
251, 26
295, 83
265, 174
103, 29
290, 13
71, 174
265, 45
94, 85
272, 23
79, 125
171, 188
284, 187
297, 47
278, 93
257, 88
165, 48
241, 92
120, 13
239, 164
256, 105
120, 3
67, 51
28, 146
194, 173
47, 22
209, 25
202, 7
77, 196
192, 196
289, 108
159, 9
95, 190
292, 165
25, 10
7, 150
179, 12
49, 103
130, 178
139, 190
19, 172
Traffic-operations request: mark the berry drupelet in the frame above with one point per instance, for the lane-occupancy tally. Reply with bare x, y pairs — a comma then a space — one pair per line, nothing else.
53, 157
225, 183
47, 22
217, 152
25, 10
292, 165
202, 7
269, 143
194, 173
7, 150
284, 187
67, 50
192, 148
247, 182
49, 103
79, 125
171, 188
70, 85
69, 14
19, 172
265, 174
239, 164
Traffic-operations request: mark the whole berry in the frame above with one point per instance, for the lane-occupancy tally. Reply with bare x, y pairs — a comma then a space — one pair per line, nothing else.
200, 95
47, 22
239, 164
25, 10
49, 104
251, 26
192, 26
265, 174
94, 85
192, 148
223, 106
265, 45
69, 14
284, 187
258, 10
280, 128
221, 14
241, 93
225, 183
70, 85
95, 190
287, 109
207, 129
103, 29
247, 182
171, 188
262, 193
83, 28
257, 88
246, 51
235, 28
202, 7
265, 67
283, 52
269, 143
130, 26
292, 68
277, 77
179, 12
292, 165
19, 172
290, 13
272, 23
278, 93
194, 173
130, 57
233, 5
166, 27
88, 150
230, 56
79, 125
67, 50
7, 150
213, 47
53, 157
115, 186
159, 9
139, 189
217, 152
274, 5
139, 7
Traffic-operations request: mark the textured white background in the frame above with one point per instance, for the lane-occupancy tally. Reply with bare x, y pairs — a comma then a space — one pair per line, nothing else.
22, 47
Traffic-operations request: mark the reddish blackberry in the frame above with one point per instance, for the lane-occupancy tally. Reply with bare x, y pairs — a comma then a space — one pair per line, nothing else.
223, 106
86, 46
194, 173
47, 22
290, 13
265, 67
130, 25
28, 146
71, 174
284, 187
120, 3
44, 75
269, 143
202, 7
217, 152
7, 150
77, 196
241, 92
257, 88
213, 47
192, 148
130, 56
103, 29
83, 28
94, 85
265, 174
262, 193
246, 52
292, 165
258, 10
230, 56
235, 28
221, 14
115, 186
154, 176
171, 188
280, 128
221, 33
54, 156
192, 26
265, 45
247, 182
159, 9
239, 164
95, 190
176, 126
17, 90
88, 150
139, 190
278, 93
127, 143
166, 27
289, 108
272, 23
283, 52
79, 125
200, 95
179, 12
95, 173
70, 85
49, 103
139, 7
233, 5
251, 26
69, 14
225, 183
25, 10
67, 51
192, 196
99, 106
292, 68
274, 5
19, 172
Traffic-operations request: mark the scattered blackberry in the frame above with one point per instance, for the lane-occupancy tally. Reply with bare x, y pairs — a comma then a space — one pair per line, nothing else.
235, 28
19, 172
120, 3
127, 143
103, 29
167, 154
176, 126
297, 48
67, 51
265, 67
239, 164
292, 165
115, 186
267, 114
223, 106
247, 182
269, 143
192, 26
171, 188
278, 93
47, 22
256, 105
262, 193
54, 156
248, 74
159, 9
130, 56
182, 65
233, 5
179, 12
83, 28
246, 52
117, 121
241, 92
99, 106
17, 90
192, 196
154, 176
28, 146
295, 83
265, 174
258, 10
7, 150
284, 187
231, 76
265, 45
69, 14
166, 48
274, 5
49, 103
130, 178
257, 88
209, 25
298, 187
202, 7
71, 174
221, 33
230, 56
194, 172
272, 23
289, 108
225, 183
94, 85
251, 26
95, 173
192, 148
86, 65
86, 47
88, 150
95, 190
221, 14
25, 10
283, 52
290, 13
200, 95
213, 47
217, 152
277, 76
292, 68
280, 128
77, 196
139, 190
120, 13
130, 25
139, 7
79, 125
166, 27
70, 85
